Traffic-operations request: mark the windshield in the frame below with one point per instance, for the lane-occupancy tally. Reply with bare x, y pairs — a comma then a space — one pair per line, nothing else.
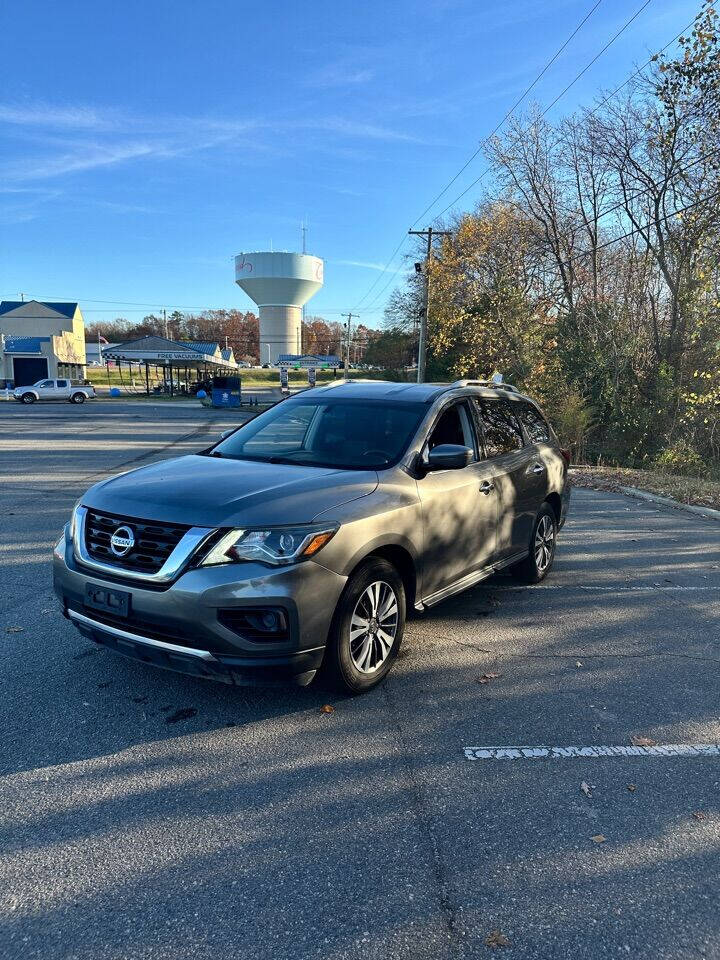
348, 434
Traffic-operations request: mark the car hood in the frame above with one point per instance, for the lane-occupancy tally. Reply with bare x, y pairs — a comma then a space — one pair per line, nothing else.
210, 492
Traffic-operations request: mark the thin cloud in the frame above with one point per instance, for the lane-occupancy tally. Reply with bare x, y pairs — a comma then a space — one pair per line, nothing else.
45, 115
44, 168
76, 139
341, 73
365, 265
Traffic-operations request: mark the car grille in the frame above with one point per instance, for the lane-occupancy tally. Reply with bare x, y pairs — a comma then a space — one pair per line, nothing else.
154, 542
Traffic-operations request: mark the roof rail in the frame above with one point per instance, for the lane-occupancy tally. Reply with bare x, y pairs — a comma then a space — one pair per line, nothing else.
342, 380
486, 383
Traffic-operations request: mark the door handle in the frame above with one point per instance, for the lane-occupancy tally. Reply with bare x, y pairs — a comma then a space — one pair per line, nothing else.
486, 486
538, 468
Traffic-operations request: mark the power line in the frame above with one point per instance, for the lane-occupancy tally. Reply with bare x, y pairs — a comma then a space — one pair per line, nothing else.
511, 110
641, 229
487, 170
622, 203
589, 114
475, 154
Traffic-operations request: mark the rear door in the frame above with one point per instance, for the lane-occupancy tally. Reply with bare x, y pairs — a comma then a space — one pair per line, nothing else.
62, 391
543, 458
459, 507
511, 460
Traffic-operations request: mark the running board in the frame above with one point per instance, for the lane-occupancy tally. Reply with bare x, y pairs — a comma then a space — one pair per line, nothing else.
468, 581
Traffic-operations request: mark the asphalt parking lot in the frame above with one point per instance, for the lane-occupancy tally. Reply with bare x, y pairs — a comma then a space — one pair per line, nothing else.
148, 815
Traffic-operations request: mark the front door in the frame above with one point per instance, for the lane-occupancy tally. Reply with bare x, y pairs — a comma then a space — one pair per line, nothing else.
46, 389
459, 507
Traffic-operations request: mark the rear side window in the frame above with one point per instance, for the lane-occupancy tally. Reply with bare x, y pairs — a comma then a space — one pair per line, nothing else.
502, 430
62, 383
535, 426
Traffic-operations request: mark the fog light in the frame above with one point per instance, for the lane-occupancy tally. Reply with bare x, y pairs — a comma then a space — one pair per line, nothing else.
256, 624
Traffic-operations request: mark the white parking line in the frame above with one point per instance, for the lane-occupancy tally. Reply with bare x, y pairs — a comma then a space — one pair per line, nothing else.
601, 589
564, 753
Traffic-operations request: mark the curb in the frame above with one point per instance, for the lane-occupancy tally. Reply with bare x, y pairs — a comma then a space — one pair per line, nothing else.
706, 512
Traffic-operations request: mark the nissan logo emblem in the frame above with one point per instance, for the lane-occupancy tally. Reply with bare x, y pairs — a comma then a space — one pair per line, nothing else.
122, 541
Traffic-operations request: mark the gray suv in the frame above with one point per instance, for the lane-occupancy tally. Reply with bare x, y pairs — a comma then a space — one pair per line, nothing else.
302, 538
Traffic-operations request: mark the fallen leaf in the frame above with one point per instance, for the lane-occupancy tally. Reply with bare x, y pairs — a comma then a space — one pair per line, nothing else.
496, 938
631, 787
578, 663
699, 815
327, 708
585, 787
487, 677
642, 742
598, 838
14, 630
183, 714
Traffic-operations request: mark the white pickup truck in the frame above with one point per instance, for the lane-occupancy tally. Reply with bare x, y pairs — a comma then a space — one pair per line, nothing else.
54, 390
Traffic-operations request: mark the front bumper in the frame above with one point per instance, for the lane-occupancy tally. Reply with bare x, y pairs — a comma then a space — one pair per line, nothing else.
176, 626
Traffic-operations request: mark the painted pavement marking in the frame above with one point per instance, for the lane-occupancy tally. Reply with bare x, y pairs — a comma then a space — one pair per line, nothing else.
564, 753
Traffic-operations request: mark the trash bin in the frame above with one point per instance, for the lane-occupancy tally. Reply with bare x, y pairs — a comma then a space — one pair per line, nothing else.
226, 392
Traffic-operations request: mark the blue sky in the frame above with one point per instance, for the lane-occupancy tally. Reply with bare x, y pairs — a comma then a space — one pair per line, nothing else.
145, 143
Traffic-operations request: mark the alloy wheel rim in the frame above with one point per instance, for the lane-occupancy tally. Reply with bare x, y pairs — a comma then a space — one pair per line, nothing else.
544, 543
373, 627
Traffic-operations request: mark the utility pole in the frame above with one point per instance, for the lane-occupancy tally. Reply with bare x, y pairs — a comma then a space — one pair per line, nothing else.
422, 343
347, 347
165, 326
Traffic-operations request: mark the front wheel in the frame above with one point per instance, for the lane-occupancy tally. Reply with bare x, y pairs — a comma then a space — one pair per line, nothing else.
28, 398
367, 628
537, 565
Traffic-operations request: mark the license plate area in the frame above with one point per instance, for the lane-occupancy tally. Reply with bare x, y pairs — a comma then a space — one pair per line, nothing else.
114, 602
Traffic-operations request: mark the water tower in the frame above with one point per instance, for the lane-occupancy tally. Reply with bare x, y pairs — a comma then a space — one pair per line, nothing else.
280, 284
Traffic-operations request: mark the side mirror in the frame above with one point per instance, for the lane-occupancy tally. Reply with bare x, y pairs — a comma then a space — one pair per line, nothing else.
225, 434
449, 456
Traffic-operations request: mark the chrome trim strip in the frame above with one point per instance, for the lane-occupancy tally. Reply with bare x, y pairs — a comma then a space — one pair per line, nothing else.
509, 561
462, 584
174, 564
136, 638
468, 581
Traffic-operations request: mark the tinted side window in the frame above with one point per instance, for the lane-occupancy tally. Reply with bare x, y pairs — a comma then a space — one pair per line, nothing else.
502, 430
62, 383
535, 426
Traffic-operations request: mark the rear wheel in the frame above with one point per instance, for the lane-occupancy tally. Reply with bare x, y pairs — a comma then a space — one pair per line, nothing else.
78, 398
537, 565
28, 398
367, 628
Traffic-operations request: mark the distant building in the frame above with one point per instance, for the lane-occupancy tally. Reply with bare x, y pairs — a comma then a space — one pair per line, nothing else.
40, 340
93, 352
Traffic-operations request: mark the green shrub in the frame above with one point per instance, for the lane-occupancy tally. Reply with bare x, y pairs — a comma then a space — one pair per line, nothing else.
682, 459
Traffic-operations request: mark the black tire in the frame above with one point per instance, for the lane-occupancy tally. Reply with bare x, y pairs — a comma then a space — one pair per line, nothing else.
538, 564
77, 398
28, 398
340, 666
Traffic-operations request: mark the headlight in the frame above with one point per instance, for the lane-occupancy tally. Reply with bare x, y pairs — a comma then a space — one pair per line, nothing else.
278, 547
73, 519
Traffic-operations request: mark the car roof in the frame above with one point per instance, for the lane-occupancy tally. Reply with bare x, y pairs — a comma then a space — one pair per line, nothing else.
418, 392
